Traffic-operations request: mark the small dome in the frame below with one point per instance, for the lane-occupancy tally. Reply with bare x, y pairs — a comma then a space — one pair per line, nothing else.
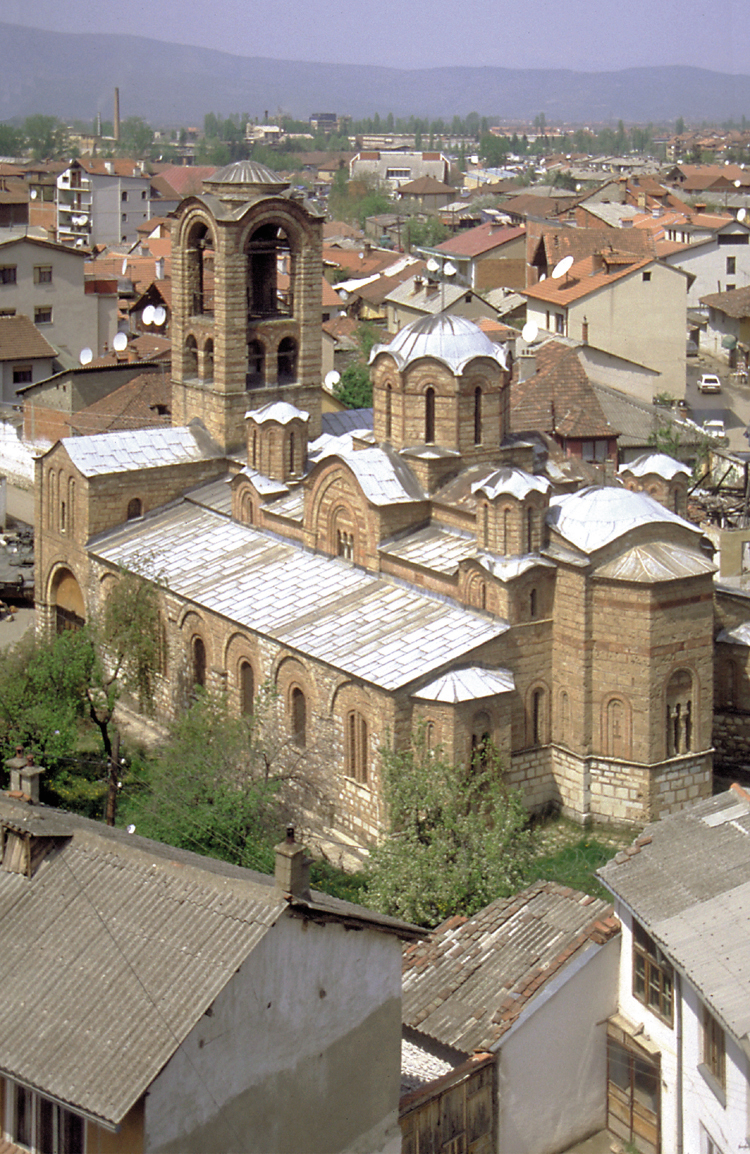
246, 173
592, 518
451, 339
658, 464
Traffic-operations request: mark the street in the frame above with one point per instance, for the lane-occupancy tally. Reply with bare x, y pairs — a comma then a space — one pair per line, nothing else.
731, 405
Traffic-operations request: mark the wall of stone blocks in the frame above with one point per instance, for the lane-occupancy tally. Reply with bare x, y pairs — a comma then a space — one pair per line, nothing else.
731, 737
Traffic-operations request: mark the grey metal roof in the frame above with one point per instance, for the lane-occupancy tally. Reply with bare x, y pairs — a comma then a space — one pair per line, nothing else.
129, 450
658, 463
467, 684
507, 568
435, 547
740, 635
453, 340
593, 517
656, 561
247, 172
465, 985
347, 421
214, 494
384, 477
513, 482
380, 631
280, 411
687, 879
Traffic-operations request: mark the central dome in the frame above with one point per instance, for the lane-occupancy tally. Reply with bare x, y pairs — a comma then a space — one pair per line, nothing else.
246, 174
451, 339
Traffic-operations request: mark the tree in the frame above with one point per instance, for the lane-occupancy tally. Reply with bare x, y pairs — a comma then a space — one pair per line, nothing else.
136, 136
457, 838
46, 136
679, 127
11, 140
355, 387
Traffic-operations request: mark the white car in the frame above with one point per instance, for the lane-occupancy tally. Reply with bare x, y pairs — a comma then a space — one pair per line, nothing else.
714, 428
709, 383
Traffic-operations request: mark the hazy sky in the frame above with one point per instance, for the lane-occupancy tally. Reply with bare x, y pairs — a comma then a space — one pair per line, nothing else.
590, 35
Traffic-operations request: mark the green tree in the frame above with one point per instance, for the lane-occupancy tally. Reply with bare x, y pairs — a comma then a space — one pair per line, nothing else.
12, 140
46, 136
457, 838
136, 136
355, 387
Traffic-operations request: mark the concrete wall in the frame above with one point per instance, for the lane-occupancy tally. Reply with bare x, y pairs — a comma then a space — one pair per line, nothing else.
721, 1115
707, 262
552, 1095
301, 1052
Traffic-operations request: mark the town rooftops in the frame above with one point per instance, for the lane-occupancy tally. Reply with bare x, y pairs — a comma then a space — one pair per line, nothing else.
115, 947
473, 977
687, 880
587, 276
477, 241
21, 340
735, 303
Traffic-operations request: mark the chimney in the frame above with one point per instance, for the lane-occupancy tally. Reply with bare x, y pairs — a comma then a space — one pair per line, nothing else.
526, 364
585, 331
292, 872
24, 775
159, 269
116, 132
700, 208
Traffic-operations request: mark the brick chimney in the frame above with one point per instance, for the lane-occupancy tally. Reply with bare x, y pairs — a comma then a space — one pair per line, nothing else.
24, 775
292, 872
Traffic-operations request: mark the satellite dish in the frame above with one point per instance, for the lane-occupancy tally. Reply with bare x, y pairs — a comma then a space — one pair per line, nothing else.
148, 315
86, 356
120, 343
160, 315
432, 265
332, 378
738, 184
562, 267
529, 332
344, 295
742, 214
449, 268
131, 829
124, 266
33, 194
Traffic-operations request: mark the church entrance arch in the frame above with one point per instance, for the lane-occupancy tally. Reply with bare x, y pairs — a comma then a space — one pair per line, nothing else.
67, 602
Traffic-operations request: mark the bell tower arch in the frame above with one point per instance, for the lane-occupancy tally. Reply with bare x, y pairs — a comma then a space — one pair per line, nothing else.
246, 313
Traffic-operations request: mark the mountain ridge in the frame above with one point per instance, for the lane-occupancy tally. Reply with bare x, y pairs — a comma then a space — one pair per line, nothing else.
72, 75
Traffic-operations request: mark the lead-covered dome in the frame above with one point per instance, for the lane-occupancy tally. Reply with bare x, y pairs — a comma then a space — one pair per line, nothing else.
245, 174
453, 340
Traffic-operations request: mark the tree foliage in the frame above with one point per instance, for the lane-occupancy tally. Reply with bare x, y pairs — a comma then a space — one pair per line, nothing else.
457, 836
355, 387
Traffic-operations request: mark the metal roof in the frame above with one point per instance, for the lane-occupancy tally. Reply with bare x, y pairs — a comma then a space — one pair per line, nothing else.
436, 547
594, 517
129, 450
380, 631
513, 482
687, 880
657, 463
453, 340
740, 635
467, 685
247, 172
656, 561
469, 981
383, 476
280, 411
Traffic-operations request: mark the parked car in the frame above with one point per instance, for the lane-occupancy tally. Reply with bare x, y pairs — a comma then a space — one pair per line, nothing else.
709, 383
691, 349
714, 428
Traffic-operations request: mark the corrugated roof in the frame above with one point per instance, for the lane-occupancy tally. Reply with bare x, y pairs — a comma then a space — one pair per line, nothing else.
687, 879
384, 633
467, 984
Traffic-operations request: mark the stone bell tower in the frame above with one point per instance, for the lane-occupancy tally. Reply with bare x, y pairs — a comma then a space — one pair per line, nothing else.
246, 308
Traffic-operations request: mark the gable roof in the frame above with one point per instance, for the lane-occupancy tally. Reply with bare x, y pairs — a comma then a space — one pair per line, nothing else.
472, 978
126, 451
479, 240
735, 303
687, 880
559, 399
21, 340
586, 277
133, 405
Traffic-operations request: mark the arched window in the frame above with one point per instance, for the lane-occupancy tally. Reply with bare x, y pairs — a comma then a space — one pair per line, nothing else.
256, 365
564, 717
477, 416
63, 522
298, 711
286, 358
266, 249
71, 503
255, 448
291, 453
617, 741
481, 738
506, 531
680, 714
388, 411
532, 605
538, 717
52, 500
356, 747
429, 416
200, 270
134, 508
247, 688
208, 361
529, 530
191, 357
485, 525
199, 662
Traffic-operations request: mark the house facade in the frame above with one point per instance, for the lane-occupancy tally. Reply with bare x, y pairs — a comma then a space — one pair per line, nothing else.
102, 201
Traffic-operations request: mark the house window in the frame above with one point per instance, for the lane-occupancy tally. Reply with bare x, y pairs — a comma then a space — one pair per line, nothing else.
559, 323
298, 712
356, 747
7, 274
43, 315
135, 508
646, 276
124, 196
714, 1050
652, 975
43, 274
42, 1126
21, 374
124, 218
731, 266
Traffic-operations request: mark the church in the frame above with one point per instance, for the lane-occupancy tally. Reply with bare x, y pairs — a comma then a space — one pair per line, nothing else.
417, 566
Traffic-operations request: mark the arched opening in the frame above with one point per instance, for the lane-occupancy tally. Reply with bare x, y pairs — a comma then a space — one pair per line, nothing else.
388, 411
486, 525
506, 532
617, 740
291, 449
247, 688
286, 361
67, 598
298, 711
268, 250
191, 357
532, 605
481, 739
538, 717
254, 450
63, 517
199, 662
429, 416
200, 270
564, 717
135, 508
208, 361
477, 416
71, 503
356, 747
256, 365
680, 714
529, 530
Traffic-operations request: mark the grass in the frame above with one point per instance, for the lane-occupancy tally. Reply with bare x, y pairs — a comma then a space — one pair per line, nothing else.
574, 865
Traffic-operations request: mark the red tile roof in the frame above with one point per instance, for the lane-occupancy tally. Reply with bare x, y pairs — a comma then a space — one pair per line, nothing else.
134, 405
20, 340
585, 277
477, 241
186, 179
559, 399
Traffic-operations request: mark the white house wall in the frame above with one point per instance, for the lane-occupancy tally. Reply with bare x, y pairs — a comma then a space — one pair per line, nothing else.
708, 264
300, 1054
552, 1064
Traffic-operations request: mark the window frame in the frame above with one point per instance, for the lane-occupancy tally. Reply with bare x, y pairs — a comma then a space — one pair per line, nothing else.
57, 1141
43, 273
713, 1052
42, 314
8, 274
356, 747
654, 973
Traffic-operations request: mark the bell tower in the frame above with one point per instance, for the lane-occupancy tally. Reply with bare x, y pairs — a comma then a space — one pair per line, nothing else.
246, 310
